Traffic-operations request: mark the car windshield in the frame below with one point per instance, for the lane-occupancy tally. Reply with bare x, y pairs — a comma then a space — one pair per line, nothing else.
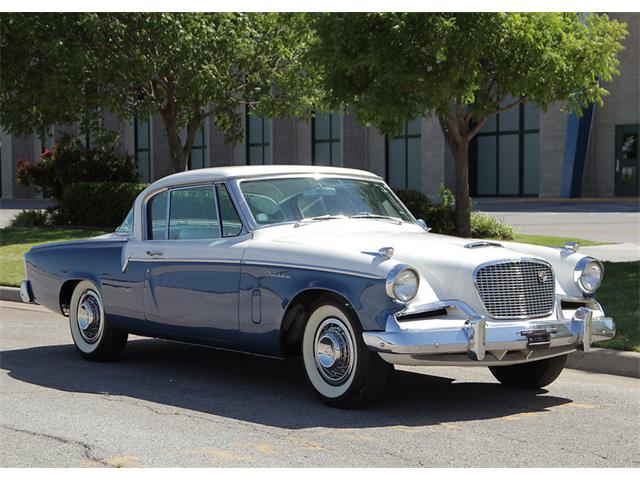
311, 198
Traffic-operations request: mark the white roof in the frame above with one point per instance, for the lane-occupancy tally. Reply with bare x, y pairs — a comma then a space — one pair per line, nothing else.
246, 171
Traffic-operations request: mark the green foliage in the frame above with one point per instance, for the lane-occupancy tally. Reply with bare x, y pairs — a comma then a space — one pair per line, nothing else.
70, 161
30, 218
394, 67
441, 216
97, 204
485, 226
185, 66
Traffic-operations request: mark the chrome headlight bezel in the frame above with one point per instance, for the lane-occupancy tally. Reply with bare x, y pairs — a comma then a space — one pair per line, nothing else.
578, 274
396, 274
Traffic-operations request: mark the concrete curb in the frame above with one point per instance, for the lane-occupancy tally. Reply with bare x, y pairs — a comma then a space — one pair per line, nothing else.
10, 294
600, 360
604, 360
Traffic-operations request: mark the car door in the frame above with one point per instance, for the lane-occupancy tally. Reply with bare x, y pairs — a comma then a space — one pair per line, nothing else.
192, 264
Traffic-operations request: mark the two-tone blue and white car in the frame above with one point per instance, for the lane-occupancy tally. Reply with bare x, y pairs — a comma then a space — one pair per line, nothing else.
323, 263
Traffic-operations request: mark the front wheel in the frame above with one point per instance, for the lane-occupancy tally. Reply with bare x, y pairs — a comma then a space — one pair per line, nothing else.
94, 337
343, 372
531, 375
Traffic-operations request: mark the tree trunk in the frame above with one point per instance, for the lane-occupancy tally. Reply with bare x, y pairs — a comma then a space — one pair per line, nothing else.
176, 150
463, 203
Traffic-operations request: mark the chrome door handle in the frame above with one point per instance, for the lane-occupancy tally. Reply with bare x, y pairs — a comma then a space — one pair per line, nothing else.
154, 253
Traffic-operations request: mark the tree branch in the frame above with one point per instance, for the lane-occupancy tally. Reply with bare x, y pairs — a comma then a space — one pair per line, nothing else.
472, 133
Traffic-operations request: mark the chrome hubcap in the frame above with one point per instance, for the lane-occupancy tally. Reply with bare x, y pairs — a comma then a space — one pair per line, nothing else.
90, 316
333, 349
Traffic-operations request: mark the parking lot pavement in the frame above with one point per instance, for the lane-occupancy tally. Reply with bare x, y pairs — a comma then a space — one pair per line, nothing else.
612, 221
167, 404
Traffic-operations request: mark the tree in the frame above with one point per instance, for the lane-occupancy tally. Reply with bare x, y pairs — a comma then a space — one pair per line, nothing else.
462, 68
61, 68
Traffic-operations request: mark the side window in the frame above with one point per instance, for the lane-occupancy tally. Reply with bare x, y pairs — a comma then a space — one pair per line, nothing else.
157, 217
231, 223
193, 215
127, 225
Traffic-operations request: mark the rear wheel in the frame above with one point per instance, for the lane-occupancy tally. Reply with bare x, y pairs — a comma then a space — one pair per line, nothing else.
532, 375
92, 334
342, 371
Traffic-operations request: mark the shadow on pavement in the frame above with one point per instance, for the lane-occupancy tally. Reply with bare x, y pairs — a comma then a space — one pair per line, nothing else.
260, 390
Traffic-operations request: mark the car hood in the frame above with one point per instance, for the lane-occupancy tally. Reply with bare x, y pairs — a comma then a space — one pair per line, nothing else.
445, 263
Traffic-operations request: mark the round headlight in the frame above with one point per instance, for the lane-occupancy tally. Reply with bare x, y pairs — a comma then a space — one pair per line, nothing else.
589, 273
402, 283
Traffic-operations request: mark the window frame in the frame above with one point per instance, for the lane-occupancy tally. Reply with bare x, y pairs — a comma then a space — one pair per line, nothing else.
168, 190
266, 143
330, 141
136, 146
405, 137
521, 132
199, 147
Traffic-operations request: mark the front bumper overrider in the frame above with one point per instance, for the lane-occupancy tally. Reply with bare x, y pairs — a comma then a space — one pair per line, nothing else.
451, 333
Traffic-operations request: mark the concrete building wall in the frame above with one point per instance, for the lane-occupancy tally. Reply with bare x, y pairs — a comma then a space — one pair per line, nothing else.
621, 107
553, 131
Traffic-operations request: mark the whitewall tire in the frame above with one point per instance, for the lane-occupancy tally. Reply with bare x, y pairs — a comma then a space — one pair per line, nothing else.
92, 335
342, 371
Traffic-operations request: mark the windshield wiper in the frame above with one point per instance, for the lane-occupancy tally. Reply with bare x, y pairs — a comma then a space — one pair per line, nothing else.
304, 221
379, 217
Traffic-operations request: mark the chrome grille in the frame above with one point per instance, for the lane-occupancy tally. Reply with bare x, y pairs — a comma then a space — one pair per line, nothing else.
516, 289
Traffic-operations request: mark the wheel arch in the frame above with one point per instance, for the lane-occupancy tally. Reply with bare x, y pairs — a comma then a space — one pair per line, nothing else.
297, 312
67, 287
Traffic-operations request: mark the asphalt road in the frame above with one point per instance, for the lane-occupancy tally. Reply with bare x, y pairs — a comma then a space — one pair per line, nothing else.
166, 404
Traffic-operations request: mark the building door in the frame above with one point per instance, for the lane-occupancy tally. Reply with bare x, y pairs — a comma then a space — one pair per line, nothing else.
627, 160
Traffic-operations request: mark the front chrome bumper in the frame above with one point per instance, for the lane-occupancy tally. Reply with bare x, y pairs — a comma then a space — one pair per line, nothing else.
476, 340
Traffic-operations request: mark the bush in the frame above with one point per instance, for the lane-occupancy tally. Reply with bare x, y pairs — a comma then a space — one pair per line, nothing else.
31, 218
96, 204
70, 162
484, 226
441, 217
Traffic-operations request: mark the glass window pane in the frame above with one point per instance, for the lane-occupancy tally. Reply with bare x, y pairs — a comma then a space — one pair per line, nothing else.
336, 154
413, 127
255, 129
510, 119
267, 155
255, 155
490, 125
231, 223
197, 159
321, 126
336, 125
486, 165
531, 117
157, 217
143, 135
266, 138
509, 165
193, 214
322, 153
531, 163
143, 166
397, 173
413, 155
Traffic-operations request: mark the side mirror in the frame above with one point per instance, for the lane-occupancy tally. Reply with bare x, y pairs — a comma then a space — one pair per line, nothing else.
423, 224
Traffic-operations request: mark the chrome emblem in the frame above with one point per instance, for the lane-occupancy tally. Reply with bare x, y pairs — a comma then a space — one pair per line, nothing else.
542, 276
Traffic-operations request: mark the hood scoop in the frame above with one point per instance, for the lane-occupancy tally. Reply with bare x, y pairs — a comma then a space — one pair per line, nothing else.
482, 244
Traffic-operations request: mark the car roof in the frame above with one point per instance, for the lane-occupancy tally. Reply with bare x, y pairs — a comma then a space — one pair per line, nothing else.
252, 171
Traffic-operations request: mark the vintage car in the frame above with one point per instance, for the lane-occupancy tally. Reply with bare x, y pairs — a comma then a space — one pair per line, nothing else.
323, 263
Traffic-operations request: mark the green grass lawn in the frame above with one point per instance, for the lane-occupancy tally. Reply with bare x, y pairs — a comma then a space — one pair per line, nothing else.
16, 241
548, 241
619, 293
620, 298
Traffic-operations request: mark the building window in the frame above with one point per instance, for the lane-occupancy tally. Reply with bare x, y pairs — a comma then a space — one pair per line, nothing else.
505, 154
198, 151
403, 157
46, 139
142, 147
325, 131
258, 139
